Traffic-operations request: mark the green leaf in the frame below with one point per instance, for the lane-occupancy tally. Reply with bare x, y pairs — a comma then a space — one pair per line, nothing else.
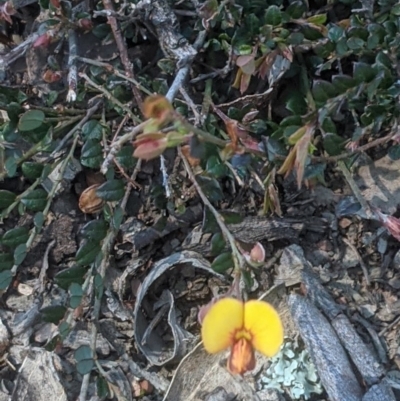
5, 279
211, 188
297, 103
363, 72
296, 9
64, 329
92, 130
15, 237
217, 243
6, 198
71, 275
323, 90
112, 190
395, 10
355, 43
76, 293
39, 220
336, 33
95, 230
53, 314
84, 359
11, 166
35, 200
314, 170
333, 144
31, 120
102, 388
394, 152
19, 254
273, 15
98, 285
92, 154
32, 170
215, 168
231, 217
117, 217
101, 31
87, 253
343, 82
6, 261
210, 225
318, 19
124, 157
222, 262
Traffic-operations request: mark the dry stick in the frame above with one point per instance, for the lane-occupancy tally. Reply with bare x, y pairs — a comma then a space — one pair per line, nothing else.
190, 103
362, 264
347, 175
72, 67
123, 52
238, 259
183, 72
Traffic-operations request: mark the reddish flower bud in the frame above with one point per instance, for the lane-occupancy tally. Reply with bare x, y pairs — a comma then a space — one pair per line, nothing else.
42, 41
86, 24
391, 223
148, 146
257, 254
51, 76
55, 3
6, 10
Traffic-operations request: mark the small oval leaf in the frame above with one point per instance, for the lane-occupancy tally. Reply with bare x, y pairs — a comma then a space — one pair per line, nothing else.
112, 190
35, 200
6, 198
31, 120
222, 262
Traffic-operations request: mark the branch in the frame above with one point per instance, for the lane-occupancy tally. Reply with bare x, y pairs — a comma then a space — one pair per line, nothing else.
123, 52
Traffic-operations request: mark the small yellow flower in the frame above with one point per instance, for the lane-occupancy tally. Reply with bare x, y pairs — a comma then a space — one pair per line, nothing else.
244, 327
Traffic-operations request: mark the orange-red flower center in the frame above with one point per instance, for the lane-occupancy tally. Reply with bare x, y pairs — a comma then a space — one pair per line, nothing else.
242, 357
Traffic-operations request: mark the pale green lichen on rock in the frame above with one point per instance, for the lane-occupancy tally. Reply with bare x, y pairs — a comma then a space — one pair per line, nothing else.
292, 370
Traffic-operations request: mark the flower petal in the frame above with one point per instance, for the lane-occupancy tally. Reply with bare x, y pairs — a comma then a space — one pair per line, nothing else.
221, 322
242, 358
264, 323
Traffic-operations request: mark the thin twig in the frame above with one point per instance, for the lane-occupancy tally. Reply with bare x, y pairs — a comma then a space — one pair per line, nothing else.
362, 264
123, 51
238, 259
117, 145
356, 191
114, 71
77, 127
165, 177
72, 67
363, 148
110, 97
190, 103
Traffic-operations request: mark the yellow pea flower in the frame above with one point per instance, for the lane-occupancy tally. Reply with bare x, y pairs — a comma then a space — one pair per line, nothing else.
244, 327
